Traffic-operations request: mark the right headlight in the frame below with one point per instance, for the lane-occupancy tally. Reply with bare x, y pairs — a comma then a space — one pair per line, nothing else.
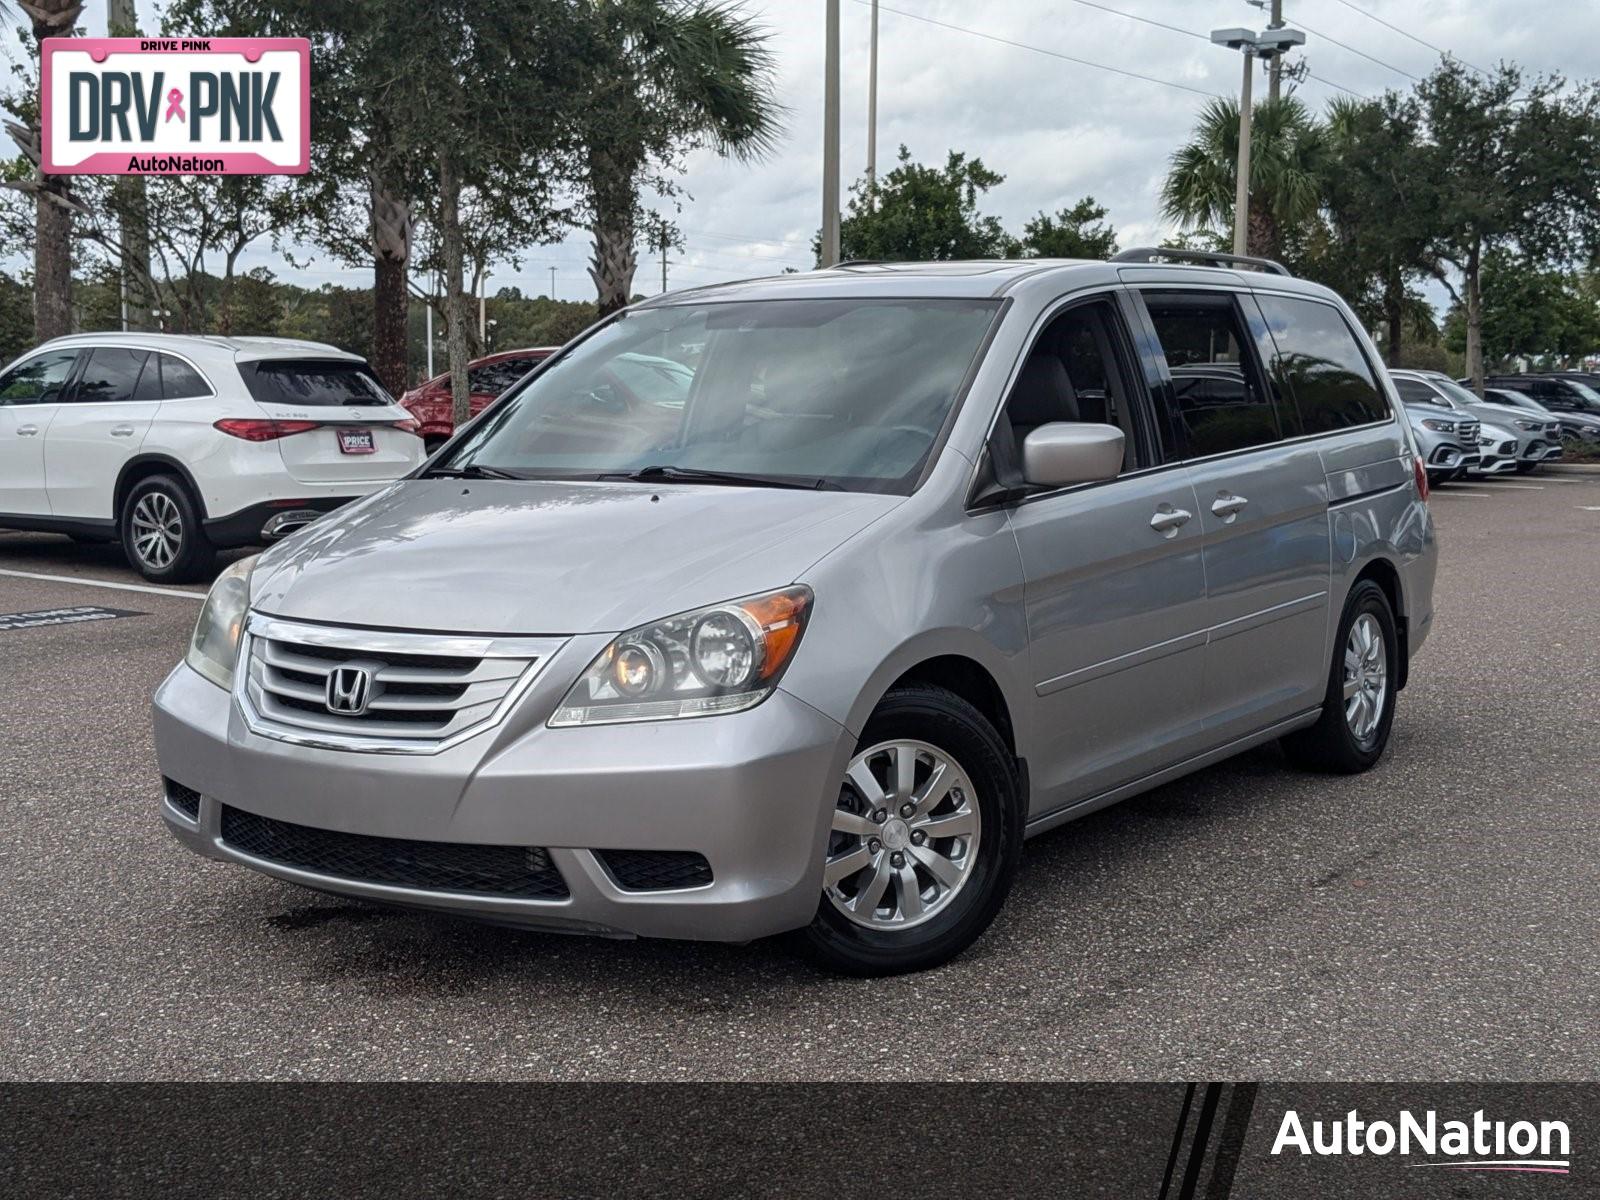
719, 659
214, 648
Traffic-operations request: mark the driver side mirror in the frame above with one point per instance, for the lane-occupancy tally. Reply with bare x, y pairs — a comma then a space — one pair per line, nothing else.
1062, 453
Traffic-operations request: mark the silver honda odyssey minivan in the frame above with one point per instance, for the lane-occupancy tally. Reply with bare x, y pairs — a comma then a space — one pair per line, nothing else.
796, 605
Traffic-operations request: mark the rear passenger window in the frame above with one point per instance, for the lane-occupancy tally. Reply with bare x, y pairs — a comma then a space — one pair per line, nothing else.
1320, 364
180, 381
110, 375
1220, 401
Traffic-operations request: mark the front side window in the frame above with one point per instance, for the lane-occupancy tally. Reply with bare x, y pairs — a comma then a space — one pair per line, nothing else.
1414, 391
1584, 396
1320, 364
849, 393
493, 378
39, 380
110, 376
1221, 403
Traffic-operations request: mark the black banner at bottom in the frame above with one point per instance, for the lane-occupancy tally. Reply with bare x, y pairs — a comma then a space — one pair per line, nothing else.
1155, 1141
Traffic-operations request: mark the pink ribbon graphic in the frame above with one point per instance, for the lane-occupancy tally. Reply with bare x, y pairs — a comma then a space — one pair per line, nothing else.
175, 105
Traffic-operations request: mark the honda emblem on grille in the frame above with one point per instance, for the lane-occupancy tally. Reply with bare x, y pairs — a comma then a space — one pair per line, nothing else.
349, 690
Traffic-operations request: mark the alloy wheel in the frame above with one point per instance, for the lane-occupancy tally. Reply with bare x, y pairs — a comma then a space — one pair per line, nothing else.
904, 838
1366, 677
157, 530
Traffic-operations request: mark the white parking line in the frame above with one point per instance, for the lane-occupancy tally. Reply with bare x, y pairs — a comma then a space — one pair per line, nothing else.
1517, 487
1554, 479
1470, 495
1587, 507
103, 583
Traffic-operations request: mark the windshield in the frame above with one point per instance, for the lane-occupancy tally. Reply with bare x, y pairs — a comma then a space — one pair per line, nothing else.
1590, 398
1458, 393
843, 393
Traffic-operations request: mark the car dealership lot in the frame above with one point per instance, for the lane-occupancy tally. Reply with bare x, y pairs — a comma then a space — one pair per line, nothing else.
1433, 918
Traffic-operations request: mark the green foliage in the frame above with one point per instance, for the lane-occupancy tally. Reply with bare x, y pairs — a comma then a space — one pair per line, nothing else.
16, 317
1550, 317
920, 213
1077, 232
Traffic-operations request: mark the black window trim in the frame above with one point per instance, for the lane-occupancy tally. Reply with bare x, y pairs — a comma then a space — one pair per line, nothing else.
85, 355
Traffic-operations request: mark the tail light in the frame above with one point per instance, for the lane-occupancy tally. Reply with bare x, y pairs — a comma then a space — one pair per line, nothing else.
255, 429
410, 426
1420, 472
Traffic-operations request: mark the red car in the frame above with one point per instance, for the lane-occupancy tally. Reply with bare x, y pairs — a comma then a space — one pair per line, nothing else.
487, 377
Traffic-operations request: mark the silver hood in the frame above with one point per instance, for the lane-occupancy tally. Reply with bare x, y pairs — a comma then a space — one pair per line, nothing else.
541, 557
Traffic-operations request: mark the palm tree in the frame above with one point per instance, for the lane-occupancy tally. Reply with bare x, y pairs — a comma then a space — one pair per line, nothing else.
1288, 159
663, 77
52, 242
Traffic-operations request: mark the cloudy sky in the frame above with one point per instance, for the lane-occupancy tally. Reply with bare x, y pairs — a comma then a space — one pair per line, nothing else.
1011, 82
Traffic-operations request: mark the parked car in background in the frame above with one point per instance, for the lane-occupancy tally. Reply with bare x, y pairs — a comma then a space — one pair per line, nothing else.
177, 446
1575, 403
1447, 436
1499, 450
808, 634
430, 403
1538, 437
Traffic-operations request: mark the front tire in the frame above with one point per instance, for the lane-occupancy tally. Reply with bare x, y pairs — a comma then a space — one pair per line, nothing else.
1358, 708
1527, 468
162, 533
926, 838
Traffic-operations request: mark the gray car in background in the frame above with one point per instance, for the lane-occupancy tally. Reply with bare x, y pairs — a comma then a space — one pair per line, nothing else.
929, 558
1537, 439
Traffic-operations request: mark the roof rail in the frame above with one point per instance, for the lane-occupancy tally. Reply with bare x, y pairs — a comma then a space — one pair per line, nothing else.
1212, 258
856, 262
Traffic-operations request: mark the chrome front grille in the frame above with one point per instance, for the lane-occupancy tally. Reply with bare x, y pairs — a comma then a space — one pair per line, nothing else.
364, 689
1467, 431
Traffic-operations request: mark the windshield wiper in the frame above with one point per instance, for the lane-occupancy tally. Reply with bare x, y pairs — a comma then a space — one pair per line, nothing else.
657, 473
469, 472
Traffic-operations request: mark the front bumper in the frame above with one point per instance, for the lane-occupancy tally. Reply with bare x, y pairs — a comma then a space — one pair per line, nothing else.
752, 792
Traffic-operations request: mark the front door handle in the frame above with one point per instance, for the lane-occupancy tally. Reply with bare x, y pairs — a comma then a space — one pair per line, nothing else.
1167, 520
1227, 506
27, 430
127, 431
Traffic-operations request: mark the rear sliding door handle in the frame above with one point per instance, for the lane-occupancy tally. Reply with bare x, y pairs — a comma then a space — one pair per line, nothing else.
1167, 520
127, 431
27, 430
1228, 506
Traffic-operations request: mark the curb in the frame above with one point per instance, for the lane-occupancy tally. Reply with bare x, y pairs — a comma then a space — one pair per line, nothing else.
1573, 468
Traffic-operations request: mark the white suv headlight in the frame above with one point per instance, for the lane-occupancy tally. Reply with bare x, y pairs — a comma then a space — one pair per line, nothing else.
720, 659
214, 648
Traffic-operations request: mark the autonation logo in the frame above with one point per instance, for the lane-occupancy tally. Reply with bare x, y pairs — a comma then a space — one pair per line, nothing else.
1476, 1145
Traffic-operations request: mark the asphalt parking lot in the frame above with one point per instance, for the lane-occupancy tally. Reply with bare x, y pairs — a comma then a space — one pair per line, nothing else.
1438, 917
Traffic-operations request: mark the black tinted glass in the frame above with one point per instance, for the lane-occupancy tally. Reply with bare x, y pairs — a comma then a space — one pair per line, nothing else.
1320, 364
493, 378
1414, 391
180, 381
1219, 400
314, 384
110, 375
39, 380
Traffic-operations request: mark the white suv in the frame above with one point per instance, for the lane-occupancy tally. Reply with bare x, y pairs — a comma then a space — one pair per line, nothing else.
179, 445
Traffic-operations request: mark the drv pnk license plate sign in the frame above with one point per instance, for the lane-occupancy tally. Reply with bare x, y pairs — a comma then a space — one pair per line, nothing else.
176, 106
356, 441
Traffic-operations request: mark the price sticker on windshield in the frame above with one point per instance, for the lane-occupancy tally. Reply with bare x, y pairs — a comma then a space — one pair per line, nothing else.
175, 106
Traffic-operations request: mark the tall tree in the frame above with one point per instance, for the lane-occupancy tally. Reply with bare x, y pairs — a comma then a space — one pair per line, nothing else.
52, 245
662, 77
1077, 232
917, 212
1512, 161
1380, 203
1288, 163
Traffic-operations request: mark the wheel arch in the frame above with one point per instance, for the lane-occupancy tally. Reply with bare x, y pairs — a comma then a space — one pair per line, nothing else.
144, 466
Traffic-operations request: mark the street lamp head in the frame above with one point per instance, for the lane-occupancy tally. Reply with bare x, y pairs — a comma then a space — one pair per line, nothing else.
1234, 39
1278, 41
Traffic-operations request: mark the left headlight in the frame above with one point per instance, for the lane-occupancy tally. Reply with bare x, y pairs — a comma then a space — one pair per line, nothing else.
719, 659
214, 648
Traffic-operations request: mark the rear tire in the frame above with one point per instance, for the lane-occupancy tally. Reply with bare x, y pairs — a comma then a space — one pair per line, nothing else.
430, 446
1358, 707
162, 532
946, 868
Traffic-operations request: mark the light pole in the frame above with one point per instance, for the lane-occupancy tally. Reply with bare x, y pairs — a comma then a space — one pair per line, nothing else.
552, 283
830, 139
1267, 45
872, 113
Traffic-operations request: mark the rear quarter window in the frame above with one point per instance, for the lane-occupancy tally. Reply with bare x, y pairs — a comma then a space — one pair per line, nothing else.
1320, 364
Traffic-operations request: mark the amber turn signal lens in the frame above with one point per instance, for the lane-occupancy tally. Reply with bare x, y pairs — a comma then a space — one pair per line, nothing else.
782, 617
